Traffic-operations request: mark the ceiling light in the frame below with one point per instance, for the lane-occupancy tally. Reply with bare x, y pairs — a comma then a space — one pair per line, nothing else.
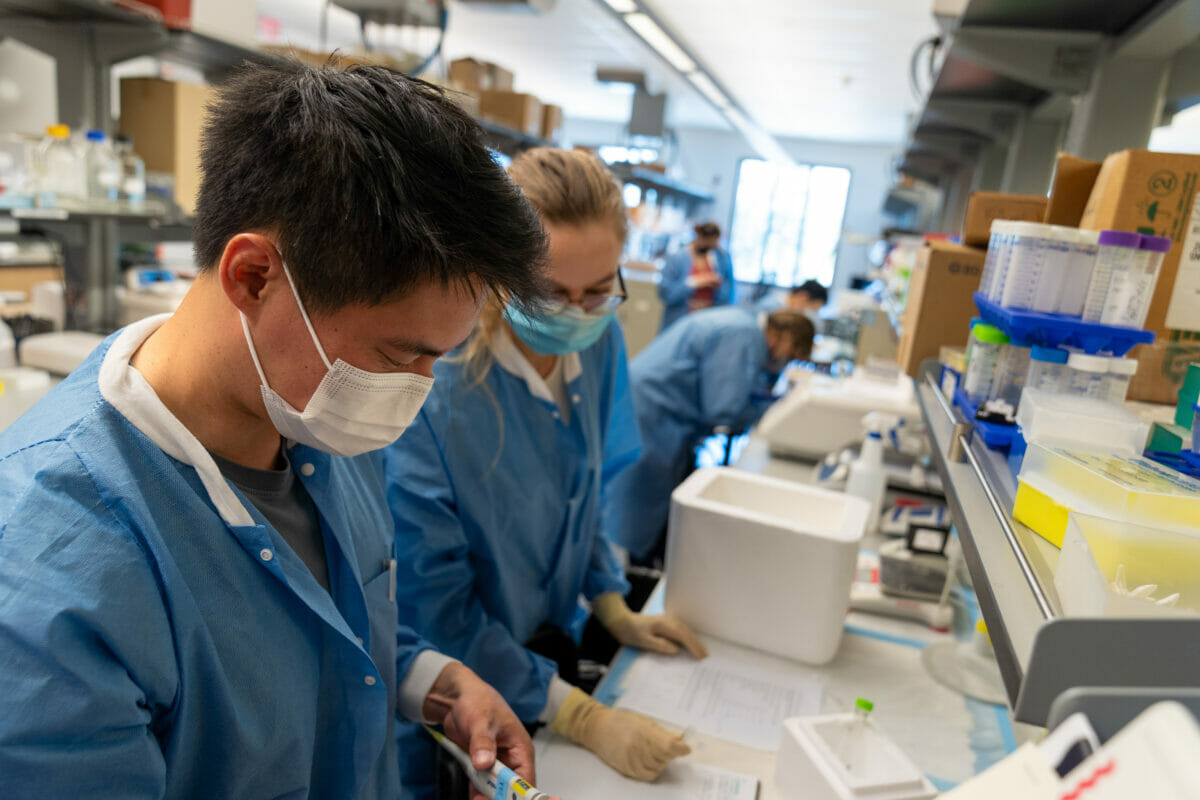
658, 39
709, 89
622, 6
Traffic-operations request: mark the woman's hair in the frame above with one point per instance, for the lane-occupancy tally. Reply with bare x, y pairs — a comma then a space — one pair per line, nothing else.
568, 188
796, 325
707, 229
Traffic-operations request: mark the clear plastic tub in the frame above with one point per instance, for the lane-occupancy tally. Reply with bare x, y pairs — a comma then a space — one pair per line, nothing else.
1047, 368
1104, 561
1132, 284
1116, 382
1056, 479
1086, 375
1036, 266
1010, 375
1084, 246
1067, 419
995, 265
986, 346
1117, 252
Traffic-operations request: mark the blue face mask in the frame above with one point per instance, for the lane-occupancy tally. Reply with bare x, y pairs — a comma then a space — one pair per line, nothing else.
568, 331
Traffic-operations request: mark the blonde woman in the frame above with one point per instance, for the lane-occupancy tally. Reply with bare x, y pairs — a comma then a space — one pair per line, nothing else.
496, 488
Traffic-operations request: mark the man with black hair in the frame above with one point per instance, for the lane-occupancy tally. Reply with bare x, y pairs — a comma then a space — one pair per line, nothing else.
808, 298
197, 580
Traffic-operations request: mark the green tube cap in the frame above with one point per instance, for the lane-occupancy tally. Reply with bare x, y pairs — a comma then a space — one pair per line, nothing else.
864, 704
989, 333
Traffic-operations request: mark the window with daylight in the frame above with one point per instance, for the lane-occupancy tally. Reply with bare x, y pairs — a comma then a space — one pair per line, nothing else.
787, 221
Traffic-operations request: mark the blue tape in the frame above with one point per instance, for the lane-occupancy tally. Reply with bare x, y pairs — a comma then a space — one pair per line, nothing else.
885, 637
504, 782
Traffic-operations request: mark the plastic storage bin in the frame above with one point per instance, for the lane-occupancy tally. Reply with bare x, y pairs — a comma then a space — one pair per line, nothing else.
1132, 284
1117, 252
1055, 480
983, 358
1094, 548
763, 562
1116, 382
1086, 421
1086, 375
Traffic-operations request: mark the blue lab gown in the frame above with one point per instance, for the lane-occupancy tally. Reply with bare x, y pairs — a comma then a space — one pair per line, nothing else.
674, 291
158, 638
709, 369
497, 506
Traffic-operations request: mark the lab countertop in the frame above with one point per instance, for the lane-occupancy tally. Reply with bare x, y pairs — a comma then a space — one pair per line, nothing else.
949, 736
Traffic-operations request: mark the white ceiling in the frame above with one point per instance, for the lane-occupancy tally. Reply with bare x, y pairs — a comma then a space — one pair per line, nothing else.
823, 69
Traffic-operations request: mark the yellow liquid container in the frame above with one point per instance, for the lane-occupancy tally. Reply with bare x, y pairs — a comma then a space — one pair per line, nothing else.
1123, 487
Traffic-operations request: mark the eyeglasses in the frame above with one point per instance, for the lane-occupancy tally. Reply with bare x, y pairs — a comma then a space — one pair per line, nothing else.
595, 303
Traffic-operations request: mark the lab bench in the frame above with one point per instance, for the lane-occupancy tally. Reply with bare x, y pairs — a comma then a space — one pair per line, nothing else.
1050, 663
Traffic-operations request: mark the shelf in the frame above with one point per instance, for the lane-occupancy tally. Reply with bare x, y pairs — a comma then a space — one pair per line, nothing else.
656, 180
1003, 60
215, 57
1041, 653
85, 11
509, 140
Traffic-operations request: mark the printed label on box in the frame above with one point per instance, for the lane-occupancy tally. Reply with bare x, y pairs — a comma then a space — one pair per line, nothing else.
1183, 313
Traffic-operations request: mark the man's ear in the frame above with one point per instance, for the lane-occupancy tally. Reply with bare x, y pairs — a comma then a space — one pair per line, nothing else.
248, 265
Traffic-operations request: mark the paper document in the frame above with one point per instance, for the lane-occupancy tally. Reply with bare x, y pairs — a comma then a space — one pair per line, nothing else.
569, 771
719, 697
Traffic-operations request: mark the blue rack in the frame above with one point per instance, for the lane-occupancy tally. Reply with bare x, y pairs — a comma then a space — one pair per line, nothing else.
1185, 461
995, 435
1028, 328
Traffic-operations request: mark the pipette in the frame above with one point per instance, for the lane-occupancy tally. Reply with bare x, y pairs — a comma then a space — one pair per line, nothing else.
499, 783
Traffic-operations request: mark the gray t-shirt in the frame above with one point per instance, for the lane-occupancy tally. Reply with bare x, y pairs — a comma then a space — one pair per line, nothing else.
281, 498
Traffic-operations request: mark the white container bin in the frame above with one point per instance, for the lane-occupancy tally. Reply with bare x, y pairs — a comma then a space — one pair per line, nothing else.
1071, 419
811, 763
763, 562
60, 352
1094, 547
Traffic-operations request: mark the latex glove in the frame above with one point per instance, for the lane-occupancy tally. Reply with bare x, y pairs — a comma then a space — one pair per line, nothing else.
658, 633
632, 744
477, 719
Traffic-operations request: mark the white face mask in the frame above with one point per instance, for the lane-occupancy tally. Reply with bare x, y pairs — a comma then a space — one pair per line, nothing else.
352, 411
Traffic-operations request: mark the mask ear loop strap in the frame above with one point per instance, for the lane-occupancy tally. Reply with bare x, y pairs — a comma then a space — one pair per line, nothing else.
304, 314
253, 350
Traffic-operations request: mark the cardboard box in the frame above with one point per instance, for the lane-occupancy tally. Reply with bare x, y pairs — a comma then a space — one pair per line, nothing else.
552, 121
1155, 193
940, 307
470, 73
499, 78
1162, 366
479, 76
522, 112
984, 207
1070, 189
164, 120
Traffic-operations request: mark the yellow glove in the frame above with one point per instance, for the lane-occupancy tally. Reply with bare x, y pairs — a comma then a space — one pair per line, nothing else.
660, 633
632, 744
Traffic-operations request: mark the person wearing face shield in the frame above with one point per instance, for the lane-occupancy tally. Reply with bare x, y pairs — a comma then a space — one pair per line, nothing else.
497, 491
713, 368
197, 561
698, 276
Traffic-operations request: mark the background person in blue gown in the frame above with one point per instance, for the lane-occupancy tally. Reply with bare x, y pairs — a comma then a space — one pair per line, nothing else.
712, 368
